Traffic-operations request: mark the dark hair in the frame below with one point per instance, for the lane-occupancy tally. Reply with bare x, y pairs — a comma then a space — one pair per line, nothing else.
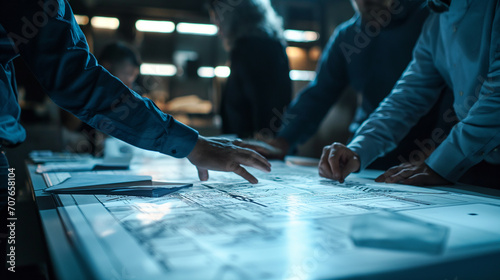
119, 52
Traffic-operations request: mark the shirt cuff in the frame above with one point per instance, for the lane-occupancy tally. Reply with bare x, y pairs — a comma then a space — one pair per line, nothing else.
366, 155
180, 140
449, 162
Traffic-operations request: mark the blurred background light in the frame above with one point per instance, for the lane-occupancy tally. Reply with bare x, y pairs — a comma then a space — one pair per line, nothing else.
105, 22
151, 69
197, 28
293, 35
206, 72
222, 71
82, 20
155, 26
302, 75
296, 53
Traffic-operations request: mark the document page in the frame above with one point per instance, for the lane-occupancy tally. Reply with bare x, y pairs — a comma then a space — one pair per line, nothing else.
227, 228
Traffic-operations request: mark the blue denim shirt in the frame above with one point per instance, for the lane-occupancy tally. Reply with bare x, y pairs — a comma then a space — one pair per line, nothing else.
47, 37
358, 55
459, 48
11, 132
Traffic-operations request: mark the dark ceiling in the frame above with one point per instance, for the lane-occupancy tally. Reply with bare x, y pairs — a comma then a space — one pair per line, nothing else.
152, 8
161, 8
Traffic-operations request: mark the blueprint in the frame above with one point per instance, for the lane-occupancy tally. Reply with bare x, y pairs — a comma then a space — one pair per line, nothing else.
292, 225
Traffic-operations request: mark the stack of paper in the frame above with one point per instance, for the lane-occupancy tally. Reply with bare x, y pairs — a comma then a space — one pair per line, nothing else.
43, 156
137, 185
107, 163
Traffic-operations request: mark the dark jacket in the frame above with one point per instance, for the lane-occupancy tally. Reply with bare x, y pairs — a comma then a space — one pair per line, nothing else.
258, 88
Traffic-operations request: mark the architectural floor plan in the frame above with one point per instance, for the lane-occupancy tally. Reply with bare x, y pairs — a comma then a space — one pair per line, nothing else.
292, 225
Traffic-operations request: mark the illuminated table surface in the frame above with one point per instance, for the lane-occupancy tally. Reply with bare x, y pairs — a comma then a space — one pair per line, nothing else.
292, 225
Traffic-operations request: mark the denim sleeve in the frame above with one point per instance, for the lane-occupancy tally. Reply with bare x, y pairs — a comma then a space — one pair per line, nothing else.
53, 46
306, 112
412, 97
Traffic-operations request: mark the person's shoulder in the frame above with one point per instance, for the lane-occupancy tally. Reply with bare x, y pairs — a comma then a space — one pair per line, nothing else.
345, 31
349, 25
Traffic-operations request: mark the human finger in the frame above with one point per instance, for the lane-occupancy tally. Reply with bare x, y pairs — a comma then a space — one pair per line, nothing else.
245, 174
262, 148
401, 175
253, 159
238, 142
416, 180
325, 172
323, 165
350, 166
336, 167
426, 178
391, 171
202, 173
220, 140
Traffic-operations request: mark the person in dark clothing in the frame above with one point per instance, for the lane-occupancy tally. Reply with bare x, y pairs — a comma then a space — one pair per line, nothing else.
368, 53
123, 62
259, 87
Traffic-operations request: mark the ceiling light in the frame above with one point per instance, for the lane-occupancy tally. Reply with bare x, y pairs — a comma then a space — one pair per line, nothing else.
222, 71
300, 35
105, 22
155, 26
197, 28
158, 69
302, 75
206, 72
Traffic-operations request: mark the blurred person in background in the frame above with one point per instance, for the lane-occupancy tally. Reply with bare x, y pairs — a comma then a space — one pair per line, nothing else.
259, 84
123, 62
368, 53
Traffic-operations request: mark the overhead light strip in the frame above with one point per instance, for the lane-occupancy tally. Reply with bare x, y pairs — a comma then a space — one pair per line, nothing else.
155, 26
211, 72
206, 72
222, 71
302, 75
197, 28
105, 22
166, 70
293, 35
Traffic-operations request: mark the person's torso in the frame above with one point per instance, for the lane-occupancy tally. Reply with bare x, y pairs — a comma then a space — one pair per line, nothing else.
259, 77
462, 49
381, 55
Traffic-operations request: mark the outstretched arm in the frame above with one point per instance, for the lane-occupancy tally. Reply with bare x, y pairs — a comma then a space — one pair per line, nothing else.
308, 109
51, 43
54, 48
413, 95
